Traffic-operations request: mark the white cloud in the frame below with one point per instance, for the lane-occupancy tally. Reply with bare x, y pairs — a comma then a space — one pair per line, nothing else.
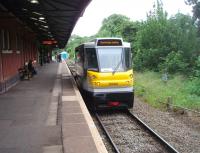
97, 10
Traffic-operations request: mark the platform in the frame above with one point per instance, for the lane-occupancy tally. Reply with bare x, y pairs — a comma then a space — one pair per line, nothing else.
47, 115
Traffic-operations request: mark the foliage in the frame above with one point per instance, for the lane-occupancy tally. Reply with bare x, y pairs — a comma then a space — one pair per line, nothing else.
152, 40
150, 87
129, 31
75, 41
196, 11
118, 25
160, 38
196, 70
113, 26
193, 86
174, 62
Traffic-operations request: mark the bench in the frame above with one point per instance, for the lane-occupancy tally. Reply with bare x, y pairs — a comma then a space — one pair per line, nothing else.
24, 73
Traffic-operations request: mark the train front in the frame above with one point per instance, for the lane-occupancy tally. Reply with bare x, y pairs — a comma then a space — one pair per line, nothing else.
110, 80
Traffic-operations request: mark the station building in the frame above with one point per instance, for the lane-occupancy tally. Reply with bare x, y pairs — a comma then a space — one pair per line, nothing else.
30, 29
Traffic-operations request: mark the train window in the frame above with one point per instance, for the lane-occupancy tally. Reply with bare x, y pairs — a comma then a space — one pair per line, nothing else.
128, 58
110, 59
91, 59
79, 55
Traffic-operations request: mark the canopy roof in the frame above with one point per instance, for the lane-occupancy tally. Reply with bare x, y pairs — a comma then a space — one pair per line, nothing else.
49, 19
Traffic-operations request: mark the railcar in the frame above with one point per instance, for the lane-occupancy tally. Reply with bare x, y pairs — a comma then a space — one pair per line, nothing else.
104, 73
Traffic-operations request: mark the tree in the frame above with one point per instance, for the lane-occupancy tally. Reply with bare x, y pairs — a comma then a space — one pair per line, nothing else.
152, 39
196, 11
113, 26
118, 25
186, 36
163, 43
129, 31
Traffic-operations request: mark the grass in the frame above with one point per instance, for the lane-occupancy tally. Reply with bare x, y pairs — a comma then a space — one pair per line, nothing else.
152, 89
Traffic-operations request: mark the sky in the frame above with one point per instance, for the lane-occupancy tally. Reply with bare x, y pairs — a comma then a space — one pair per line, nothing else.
136, 10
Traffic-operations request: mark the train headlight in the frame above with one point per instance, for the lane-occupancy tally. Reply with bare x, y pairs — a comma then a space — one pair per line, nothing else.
129, 82
93, 77
97, 83
131, 75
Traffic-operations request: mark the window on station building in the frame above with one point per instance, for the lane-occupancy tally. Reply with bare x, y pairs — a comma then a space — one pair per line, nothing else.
5, 40
1, 39
17, 40
9, 45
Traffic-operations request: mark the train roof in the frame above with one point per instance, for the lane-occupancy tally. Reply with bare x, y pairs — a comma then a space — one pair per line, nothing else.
94, 42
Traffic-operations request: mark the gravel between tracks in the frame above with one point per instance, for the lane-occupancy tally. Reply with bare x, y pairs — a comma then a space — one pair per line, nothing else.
180, 130
106, 142
128, 135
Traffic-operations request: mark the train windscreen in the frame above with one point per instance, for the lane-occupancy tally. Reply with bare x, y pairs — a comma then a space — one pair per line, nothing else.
110, 59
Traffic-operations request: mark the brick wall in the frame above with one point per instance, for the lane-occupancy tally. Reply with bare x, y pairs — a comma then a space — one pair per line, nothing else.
17, 46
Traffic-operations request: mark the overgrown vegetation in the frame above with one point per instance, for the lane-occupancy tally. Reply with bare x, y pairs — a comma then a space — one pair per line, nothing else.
154, 90
161, 44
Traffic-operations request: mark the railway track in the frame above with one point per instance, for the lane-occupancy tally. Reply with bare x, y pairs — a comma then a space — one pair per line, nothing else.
127, 133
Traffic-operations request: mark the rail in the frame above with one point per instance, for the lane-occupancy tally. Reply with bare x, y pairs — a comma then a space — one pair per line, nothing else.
107, 134
169, 147
144, 126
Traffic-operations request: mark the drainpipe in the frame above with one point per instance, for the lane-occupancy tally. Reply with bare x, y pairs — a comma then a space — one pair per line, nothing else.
1, 58
1, 65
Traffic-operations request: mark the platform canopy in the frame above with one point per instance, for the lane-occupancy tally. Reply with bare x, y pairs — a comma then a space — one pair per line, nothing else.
49, 19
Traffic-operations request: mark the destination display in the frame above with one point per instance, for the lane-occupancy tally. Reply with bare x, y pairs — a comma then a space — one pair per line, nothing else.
109, 42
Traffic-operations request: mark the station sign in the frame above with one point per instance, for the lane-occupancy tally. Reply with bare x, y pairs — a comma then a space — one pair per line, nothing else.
49, 42
7, 51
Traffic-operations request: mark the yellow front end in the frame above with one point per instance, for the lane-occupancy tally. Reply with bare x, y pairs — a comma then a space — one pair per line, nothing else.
108, 79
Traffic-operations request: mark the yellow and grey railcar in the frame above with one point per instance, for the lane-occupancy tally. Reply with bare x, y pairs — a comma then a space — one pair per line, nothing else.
104, 73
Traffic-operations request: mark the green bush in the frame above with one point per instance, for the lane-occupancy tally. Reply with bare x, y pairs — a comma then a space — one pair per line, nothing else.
197, 67
193, 86
174, 63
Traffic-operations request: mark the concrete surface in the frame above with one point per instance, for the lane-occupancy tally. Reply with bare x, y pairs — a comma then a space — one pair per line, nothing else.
24, 110
47, 115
